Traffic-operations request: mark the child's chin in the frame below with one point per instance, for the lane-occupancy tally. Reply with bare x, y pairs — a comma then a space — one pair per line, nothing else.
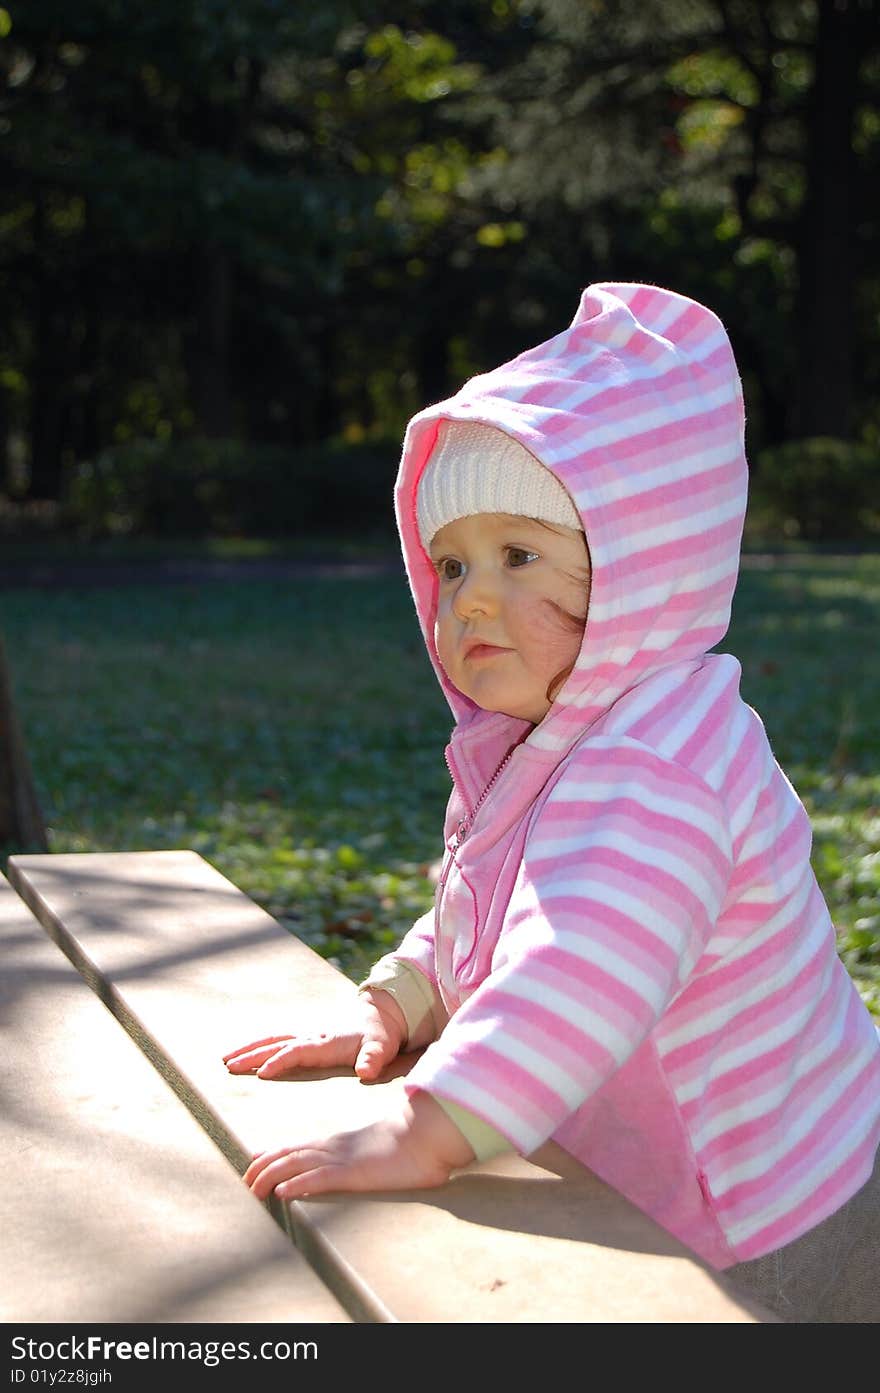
519, 713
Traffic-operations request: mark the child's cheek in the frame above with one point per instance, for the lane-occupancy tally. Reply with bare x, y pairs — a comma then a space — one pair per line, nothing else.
441, 630
547, 638
537, 623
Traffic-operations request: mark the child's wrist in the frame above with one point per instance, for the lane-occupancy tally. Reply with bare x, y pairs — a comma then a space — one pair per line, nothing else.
434, 1133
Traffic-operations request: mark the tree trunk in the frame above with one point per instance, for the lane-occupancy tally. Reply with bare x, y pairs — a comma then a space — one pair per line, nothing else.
21, 822
5, 479
210, 357
228, 131
48, 374
433, 331
826, 243
315, 415
95, 309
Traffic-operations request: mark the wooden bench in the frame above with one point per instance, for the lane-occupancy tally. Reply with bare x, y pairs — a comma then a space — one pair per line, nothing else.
115, 1204
191, 967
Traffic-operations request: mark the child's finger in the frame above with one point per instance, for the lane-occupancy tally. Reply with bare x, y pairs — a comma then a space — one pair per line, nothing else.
259, 1163
311, 1052
248, 1061
312, 1182
274, 1170
295, 1056
255, 1045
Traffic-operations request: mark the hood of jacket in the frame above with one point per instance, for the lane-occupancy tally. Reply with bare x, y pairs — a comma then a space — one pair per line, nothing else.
637, 408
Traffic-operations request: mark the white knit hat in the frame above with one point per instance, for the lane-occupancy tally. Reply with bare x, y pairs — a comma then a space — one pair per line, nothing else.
479, 469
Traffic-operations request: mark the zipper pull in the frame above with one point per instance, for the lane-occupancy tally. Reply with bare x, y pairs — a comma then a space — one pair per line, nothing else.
448, 860
455, 842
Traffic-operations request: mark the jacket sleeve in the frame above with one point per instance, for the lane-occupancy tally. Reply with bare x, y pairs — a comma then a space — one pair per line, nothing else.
624, 873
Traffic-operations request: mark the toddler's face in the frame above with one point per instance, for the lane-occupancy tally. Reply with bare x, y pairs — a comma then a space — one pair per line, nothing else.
499, 635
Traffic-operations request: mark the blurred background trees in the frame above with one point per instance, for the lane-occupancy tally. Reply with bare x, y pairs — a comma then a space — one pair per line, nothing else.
241, 241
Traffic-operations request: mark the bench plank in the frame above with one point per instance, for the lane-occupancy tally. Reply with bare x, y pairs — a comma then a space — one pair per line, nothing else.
192, 968
115, 1205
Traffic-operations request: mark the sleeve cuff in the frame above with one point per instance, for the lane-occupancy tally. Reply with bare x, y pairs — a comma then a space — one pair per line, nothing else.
483, 1139
414, 994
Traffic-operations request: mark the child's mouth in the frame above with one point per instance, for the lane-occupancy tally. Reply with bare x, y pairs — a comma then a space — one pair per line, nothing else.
485, 650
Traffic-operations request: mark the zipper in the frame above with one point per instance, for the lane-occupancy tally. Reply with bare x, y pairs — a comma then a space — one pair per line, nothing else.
467, 822
461, 832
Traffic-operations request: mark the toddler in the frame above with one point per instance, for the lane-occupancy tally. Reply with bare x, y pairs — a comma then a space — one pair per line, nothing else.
628, 951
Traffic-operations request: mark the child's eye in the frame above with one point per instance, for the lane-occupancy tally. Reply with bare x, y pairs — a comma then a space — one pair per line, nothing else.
518, 556
448, 569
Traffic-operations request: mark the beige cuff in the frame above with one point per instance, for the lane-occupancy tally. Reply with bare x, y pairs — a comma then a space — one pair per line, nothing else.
420, 1003
484, 1140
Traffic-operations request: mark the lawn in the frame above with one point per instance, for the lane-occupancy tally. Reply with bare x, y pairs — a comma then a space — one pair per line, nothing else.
292, 732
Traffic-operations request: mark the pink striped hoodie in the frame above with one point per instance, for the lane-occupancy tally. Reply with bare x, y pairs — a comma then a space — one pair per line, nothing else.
632, 947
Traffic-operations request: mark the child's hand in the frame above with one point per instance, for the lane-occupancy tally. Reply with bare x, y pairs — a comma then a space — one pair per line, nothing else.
414, 1148
367, 1039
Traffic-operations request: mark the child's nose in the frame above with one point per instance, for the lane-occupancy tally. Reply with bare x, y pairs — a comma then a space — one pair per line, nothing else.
477, 594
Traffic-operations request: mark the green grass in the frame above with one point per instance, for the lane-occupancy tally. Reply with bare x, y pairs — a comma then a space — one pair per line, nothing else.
293, 733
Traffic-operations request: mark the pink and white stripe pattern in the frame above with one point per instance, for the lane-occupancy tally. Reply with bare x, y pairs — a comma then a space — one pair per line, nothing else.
631, 942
